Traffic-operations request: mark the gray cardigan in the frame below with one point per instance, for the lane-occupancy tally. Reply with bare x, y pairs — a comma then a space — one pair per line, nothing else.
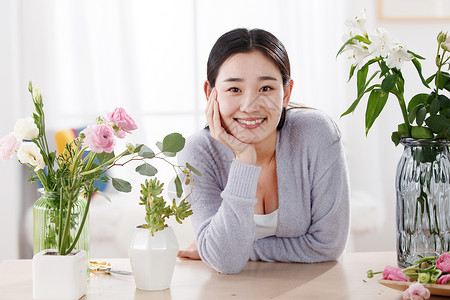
313, 197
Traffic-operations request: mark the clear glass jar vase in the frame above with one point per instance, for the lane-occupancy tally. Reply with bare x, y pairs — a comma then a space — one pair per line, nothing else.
423, 200
46, 231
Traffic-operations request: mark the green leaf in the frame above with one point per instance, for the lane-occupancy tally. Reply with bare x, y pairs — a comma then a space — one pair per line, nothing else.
430, 79
447, 85
437, 123
419, 70
395, 137
440, 81
421, 116
435, 106
178, 186
146, 169
415, 55
421, 132
361, 77
104, 157
190, 167
402, 129
384, 69
121, 185
173, 142
389, 82
146, 152
416, 100
375, 104
138, 148
413, 113
352, 71
444, 101
161, 147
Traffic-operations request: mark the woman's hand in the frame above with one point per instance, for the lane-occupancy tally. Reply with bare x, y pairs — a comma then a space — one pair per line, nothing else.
190, 252
243, 152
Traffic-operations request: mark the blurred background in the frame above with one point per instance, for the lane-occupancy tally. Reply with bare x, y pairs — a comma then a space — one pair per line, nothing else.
89, 56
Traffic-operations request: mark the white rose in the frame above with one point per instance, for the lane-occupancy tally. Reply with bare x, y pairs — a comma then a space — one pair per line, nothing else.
25, 129
29, 153
446, 44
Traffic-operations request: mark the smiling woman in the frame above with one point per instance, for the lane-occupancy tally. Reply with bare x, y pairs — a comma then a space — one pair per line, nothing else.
274, 184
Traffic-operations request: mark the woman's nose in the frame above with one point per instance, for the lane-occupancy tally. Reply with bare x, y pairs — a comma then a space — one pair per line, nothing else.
250, 102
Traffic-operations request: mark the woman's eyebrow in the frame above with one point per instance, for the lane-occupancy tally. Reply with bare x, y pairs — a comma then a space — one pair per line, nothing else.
260, 78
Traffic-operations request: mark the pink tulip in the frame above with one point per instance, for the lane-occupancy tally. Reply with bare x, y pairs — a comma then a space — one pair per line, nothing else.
99, 138
122, 120
443, 279
393, 273
8, 144
416, 291
443, 263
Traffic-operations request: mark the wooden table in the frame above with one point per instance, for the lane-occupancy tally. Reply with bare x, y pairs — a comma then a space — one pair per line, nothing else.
343, 279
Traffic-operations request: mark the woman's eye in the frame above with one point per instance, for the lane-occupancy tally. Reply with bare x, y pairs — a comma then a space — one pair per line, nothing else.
234, 90
266, 89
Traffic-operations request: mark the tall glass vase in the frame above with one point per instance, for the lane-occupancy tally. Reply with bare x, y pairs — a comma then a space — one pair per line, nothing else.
423, 200
46, 223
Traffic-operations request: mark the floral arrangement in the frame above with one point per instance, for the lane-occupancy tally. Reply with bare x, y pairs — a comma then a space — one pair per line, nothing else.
430, 111
73, 173
426, 270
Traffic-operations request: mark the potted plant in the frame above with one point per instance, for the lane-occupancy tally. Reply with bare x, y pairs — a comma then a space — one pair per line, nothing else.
154, 246
422, 186
68, 180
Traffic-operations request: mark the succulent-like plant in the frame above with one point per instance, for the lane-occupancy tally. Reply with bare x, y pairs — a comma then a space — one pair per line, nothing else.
155, 206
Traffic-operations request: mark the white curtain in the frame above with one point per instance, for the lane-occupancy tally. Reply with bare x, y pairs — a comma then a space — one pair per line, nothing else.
149, 57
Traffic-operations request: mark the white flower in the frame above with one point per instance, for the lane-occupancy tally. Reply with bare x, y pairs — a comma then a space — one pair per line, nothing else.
29, 153
397, 56
25, 129
358, 23
382, 43
359, 53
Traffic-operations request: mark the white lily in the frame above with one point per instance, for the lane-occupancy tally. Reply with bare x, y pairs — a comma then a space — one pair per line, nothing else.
382, 43
397, 56
359, 53
26, 129
29, 153
359, 23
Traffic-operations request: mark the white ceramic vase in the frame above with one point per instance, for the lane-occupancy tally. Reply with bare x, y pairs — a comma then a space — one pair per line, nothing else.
59, 277
153, 258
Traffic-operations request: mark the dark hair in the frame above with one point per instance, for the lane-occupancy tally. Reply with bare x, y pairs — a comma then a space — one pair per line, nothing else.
242, 40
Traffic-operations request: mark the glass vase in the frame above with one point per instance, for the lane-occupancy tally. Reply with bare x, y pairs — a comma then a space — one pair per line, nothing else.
46, 223
423, 198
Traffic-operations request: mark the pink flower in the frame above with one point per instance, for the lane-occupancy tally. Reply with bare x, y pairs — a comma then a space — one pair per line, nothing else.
100, 138
443, 263
393, 273
416, 291
443, 279
8, 144
122, 121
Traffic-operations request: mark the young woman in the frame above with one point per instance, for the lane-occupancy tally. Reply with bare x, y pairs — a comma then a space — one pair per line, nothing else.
274, 184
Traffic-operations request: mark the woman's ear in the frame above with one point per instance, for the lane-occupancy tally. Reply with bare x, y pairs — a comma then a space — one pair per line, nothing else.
287, 92
207, 88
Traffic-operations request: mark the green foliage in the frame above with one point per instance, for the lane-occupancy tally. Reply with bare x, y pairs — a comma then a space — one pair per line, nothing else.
156, 209
427, 115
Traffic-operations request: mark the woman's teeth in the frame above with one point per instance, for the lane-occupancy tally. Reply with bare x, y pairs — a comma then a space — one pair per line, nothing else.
254, 122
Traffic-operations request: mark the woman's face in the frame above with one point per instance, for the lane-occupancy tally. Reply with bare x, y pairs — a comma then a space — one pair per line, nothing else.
251, 96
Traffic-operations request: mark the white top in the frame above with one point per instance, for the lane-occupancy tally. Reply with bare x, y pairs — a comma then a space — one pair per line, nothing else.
266, 225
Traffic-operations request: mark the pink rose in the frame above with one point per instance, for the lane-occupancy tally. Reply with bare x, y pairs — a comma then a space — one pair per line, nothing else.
100, 138
416, 291
443, 279
443, 263
393, 273
8, 144
122, 120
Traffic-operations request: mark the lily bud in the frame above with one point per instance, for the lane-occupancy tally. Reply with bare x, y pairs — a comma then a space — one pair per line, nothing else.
441, 37
131, 148
37, 97
424, 277
30, 87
